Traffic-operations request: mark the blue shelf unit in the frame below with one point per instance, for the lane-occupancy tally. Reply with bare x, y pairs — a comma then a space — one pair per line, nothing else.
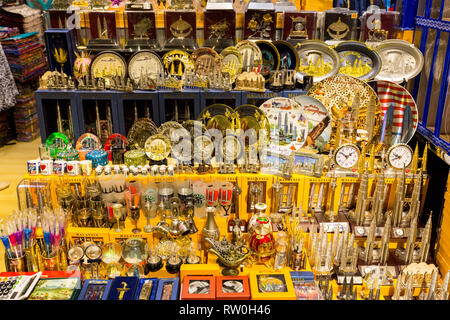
46, 102
186, 104
230, 98
87, 101
160, 105
144, 102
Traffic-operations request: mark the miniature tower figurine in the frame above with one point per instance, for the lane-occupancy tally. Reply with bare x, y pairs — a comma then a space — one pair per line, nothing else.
362, 198
425, 241
384, 246
410, 243
415, 160
378, 199
397, 209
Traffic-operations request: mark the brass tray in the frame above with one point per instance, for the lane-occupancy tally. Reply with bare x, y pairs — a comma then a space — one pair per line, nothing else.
357, 60
219, 116
139, 133
317, 59
231, 62
252, 117
157, 147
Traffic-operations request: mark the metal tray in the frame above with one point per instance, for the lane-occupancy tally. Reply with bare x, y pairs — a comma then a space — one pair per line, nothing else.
401, 60
310, 51
358, 61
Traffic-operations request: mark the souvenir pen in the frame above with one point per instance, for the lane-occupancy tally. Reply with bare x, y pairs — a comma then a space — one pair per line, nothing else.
5, 241
46, 232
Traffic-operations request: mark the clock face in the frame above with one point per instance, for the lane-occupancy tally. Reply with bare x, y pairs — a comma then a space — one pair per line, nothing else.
347, 156
400, 156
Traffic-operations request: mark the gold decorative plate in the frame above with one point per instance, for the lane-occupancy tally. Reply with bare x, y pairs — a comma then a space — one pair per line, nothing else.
157, 147
288, 55
108, 64
206, 61
253, 118
145, 62
173, 131
231, 148
251, 54
219, 116
348, 98
176, 62
231, 62
139, 133
317, 59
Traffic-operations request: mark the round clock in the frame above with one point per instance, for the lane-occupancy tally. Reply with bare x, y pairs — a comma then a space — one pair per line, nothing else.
346, 156
108, 64
203, 148
399, 156
157, 147
143, 63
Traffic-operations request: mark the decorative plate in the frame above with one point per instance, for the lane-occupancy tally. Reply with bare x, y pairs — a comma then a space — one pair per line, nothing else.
191, 125
231, 148
203, 148
145, 62
231, 62
115, 141
253, 118
399, 112
157, 147
251, 55
88, 141
319, 122
176, 62
401, 60
140, 131
219, 116
317, 59
288, 125
206, 61
270, 58
57, 142
357, 60
108, 64
347, 97
288, 55
173, 131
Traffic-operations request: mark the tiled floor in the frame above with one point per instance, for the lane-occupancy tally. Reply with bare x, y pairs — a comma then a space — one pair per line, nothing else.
13, 165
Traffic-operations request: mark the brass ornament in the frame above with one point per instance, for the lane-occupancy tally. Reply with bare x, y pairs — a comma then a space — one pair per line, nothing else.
176, 62
180, 29
231, 62
338, 30
206, 61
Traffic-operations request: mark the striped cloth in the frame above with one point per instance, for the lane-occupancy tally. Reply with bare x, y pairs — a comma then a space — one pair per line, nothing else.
390, 93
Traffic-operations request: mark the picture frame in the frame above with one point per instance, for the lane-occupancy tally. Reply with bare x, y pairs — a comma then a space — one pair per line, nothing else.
153, 290
119, 288
271, 286
306, 163
94, 288
57, 42
164, 284
232, 288
198, 288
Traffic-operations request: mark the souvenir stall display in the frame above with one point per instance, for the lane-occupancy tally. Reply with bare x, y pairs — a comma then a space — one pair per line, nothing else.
307, 187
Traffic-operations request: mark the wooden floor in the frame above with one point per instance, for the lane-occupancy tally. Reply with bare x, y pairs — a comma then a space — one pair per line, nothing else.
13, 165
